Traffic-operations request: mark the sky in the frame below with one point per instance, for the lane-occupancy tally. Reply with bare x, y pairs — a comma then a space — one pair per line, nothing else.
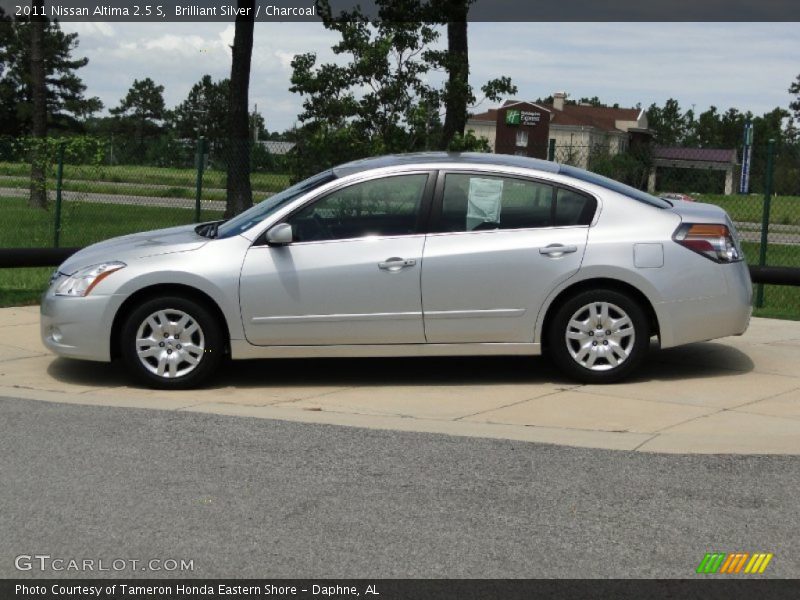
748, 66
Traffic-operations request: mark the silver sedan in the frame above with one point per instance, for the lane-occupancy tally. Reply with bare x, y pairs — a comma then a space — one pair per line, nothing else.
411, 255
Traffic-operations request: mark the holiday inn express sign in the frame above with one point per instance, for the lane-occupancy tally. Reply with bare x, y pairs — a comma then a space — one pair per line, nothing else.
522, 128
522, 117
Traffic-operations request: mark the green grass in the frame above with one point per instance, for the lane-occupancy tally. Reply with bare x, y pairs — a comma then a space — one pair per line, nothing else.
83, 223
780, 301
144, 190
100, 175
784, 210
23, 287
778, 255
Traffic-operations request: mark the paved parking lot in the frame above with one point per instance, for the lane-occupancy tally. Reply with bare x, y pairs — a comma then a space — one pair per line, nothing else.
261, 498
736, 395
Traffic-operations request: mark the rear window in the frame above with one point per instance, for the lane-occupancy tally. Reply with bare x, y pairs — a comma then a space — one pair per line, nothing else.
614, 186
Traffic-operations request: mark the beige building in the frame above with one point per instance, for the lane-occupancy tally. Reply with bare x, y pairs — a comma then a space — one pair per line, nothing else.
576, 130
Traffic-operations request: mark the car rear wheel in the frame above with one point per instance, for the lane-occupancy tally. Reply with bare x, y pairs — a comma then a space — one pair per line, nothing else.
599, 336
171, 343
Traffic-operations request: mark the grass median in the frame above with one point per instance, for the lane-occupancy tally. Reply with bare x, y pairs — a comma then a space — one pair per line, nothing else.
784, 210
780, 301
213, 178
82, 223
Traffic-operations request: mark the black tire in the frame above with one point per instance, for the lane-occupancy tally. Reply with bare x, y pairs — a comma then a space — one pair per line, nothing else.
612, 356
196, 359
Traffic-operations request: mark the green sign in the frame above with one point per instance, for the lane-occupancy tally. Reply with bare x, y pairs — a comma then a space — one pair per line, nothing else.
513, 117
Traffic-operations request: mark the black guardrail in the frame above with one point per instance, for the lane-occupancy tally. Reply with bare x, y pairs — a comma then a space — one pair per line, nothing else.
34, 257
52, 257
775, 275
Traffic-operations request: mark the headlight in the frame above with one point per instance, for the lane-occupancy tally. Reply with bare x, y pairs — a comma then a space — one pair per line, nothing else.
82, 281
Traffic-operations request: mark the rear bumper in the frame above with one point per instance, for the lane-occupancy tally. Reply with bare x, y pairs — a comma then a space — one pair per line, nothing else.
709, 318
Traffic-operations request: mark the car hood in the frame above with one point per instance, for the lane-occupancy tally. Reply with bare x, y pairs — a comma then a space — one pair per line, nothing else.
137, 245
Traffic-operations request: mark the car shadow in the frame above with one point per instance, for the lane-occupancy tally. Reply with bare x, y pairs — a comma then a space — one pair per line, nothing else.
702, 360
699, 360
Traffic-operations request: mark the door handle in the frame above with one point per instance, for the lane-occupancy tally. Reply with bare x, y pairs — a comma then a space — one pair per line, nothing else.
396, 263
557, 249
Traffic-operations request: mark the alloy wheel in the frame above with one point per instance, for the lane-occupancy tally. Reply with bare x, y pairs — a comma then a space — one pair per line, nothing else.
600, 336
170, 343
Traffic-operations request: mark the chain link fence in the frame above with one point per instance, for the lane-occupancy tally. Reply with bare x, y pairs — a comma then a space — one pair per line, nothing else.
92, 195
92, 200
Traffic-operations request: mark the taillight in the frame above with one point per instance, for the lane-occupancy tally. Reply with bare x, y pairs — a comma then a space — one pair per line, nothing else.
712, 241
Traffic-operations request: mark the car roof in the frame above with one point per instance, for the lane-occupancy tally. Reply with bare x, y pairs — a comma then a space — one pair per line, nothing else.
427, 158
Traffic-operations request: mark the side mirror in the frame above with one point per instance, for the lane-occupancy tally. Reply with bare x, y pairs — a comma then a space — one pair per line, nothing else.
280, 235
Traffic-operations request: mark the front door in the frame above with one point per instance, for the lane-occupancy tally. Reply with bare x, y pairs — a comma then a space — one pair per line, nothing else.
352, 275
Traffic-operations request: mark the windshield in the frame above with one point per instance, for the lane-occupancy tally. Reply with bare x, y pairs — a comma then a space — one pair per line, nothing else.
614, 186
259, 212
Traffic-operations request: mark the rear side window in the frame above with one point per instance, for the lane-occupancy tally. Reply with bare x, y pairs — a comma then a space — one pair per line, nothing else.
473, 202
476, 202
573, 208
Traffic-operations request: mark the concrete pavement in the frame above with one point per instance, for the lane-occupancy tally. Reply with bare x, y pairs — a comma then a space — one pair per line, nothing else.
738, 395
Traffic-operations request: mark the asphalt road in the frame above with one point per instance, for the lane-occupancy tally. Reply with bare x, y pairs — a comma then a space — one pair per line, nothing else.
258, 498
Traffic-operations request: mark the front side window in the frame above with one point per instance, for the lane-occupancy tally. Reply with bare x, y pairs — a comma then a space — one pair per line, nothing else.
388, 206
256, 214
480, 202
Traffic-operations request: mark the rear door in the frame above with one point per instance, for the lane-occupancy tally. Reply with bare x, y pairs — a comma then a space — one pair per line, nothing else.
498, 246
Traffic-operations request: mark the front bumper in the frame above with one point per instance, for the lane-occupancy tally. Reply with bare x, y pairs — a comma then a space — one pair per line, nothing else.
78, 327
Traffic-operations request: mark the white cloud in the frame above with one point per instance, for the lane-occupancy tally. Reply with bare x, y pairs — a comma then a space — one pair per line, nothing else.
226, 36
285, 59
92, 28
747, 65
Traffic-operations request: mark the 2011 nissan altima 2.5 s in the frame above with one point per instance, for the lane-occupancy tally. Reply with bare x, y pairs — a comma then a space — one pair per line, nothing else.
411, 255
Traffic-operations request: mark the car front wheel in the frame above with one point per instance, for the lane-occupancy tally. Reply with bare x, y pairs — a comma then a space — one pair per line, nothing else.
171, 343
599, 336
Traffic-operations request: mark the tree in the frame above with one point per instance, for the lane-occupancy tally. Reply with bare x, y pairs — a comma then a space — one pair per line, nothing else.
381, 101
706, 130
38, 197
39, 89
376, 103
457, 91
585, 100
258, 126
795, 104
457, 94
770, 126
67, 105
204, 112
143, 106
669, 124
239, 193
